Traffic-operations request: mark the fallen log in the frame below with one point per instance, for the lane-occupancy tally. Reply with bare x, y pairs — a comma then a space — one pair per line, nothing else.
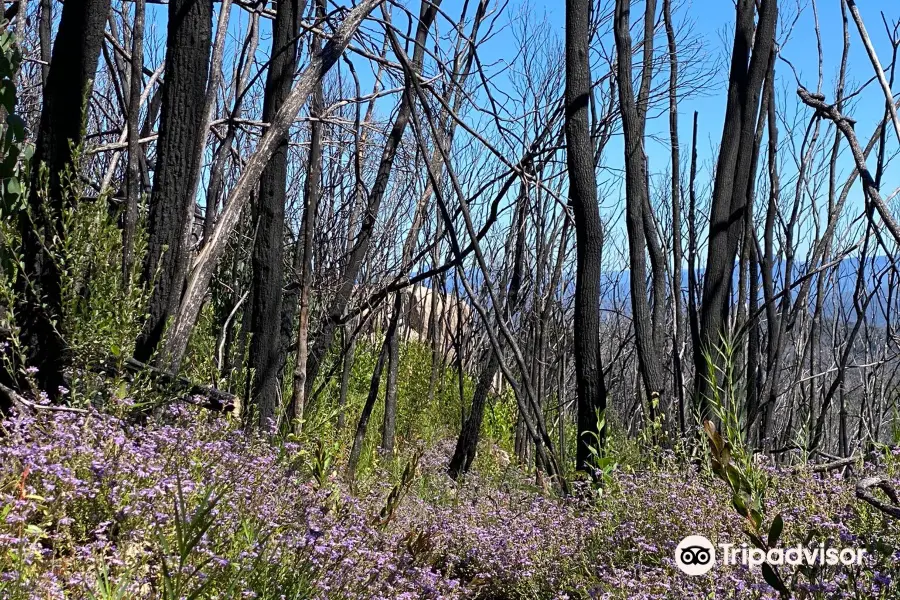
829, 466
864, 493
200, 395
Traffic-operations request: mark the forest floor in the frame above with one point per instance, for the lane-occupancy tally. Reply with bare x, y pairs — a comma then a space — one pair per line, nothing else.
188, 506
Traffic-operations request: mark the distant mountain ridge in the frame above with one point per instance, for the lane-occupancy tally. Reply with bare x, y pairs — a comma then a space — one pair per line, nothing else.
840, 287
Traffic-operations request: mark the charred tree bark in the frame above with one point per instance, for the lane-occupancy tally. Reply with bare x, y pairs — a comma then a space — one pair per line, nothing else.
265, 359
65, 98
188, 48
346, 371
693, 286
389, 423
588, 227
748, 316
311, 194
45, 32
238, 197
641, 237
728, 210
753, 344
677, 251
154, 106
467, 442
774, 313
561, 402
434, 326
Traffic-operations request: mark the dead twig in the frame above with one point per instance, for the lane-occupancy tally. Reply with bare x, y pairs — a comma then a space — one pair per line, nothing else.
13, 397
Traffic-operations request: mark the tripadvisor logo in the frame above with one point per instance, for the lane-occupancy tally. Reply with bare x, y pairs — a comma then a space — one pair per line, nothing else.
696, 555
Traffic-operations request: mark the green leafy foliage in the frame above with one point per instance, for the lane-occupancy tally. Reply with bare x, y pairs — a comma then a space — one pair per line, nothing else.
602, 460
108, 587
190, 527
746, 502
386, 515
15, 153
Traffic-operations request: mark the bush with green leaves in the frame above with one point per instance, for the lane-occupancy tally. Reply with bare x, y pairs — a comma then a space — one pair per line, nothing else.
15, 152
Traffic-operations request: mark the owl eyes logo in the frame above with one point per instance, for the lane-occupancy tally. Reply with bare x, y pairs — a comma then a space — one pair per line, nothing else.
695, 555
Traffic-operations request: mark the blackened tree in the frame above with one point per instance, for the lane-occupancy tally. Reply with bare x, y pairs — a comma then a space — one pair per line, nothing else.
268, 272
588, 227
188, 48
65, 98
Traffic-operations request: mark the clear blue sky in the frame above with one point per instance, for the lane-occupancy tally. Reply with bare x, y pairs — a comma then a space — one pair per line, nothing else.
711, 23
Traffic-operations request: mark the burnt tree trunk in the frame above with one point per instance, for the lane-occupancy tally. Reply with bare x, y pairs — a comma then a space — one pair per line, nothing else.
65, 98
677, 251
750, 255
389, 423
561, 403
265, 359
311, 193
641, 238
346, 372
361, 427
733, 172
467, 442
45, 33
188, 48
692, 284
238, 197
434, 326
588, 227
